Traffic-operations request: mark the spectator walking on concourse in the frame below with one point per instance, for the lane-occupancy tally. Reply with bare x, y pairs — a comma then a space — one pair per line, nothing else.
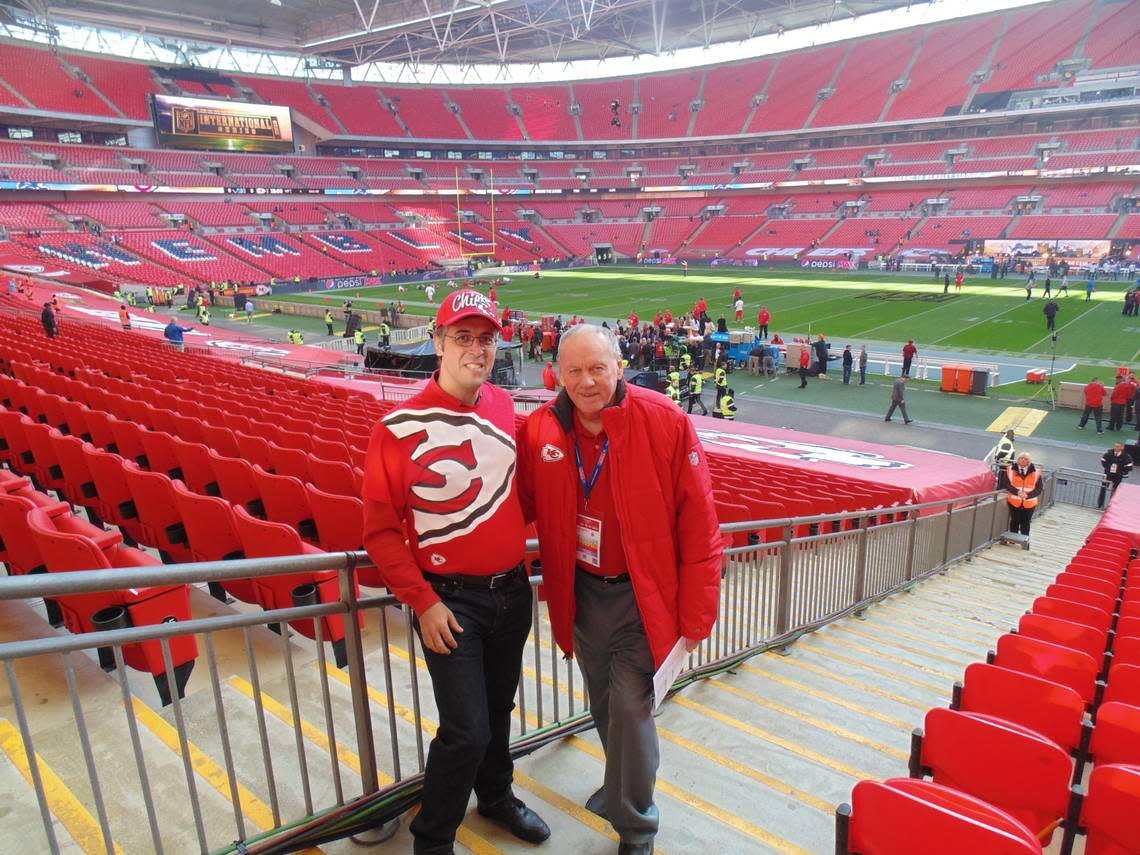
898, 399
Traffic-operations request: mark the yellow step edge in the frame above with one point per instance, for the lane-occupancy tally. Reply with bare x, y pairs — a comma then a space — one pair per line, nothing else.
254, 809
64, 806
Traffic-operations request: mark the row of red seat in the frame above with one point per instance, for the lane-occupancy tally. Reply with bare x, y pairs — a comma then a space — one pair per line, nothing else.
39, 534
1007, 759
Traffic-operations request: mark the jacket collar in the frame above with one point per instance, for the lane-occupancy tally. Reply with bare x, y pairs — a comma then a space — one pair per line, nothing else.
563, 407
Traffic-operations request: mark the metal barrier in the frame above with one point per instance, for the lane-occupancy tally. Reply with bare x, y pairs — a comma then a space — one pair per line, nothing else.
1081, 488
772, 592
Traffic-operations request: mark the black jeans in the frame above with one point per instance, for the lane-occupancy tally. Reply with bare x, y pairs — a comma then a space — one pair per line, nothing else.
1097, 412
474, 687
1019, 519
1115, 416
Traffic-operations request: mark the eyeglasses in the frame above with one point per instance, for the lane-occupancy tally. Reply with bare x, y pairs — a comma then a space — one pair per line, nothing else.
464, 339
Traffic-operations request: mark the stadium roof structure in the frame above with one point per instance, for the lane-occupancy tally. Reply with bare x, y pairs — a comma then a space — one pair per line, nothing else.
457, 32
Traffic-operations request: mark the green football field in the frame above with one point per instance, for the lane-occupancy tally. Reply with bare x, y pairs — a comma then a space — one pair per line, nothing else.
987, 317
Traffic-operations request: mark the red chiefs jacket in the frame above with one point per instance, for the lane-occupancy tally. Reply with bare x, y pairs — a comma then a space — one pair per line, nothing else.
1094, 394
1122, 393
663, 498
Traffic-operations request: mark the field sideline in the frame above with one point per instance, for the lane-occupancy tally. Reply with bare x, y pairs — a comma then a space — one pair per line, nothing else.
987, 317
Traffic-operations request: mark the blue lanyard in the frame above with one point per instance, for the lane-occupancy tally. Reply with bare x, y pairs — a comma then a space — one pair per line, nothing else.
589, 484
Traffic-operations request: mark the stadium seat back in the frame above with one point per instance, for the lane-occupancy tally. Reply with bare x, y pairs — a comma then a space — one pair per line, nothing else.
287, 502
160, 455
18, 548
333, 476
340, 521
158, 511
237, 483
1123, 685
1049, 661
1082, 595
1078, 580
1116, 737
903, 816
1002, 763
194, 462
1076, 612
1067, 633
1053, 710
1110, 809
290, 461
80, 483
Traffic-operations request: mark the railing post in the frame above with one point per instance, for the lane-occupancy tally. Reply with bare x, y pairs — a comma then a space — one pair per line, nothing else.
357, 678
973, 529
912, 529
859, 588
946, 538
784, 598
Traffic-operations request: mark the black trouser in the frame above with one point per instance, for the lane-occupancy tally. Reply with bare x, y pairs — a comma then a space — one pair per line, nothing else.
1116, 417
1105, 486
902, 409
695, 398
330, 328
1050, 322
803, 376
1097, 412
474, 687
1019, 519
906, 365
763, 330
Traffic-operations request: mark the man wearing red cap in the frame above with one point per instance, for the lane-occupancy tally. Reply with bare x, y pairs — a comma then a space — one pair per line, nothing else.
440, 472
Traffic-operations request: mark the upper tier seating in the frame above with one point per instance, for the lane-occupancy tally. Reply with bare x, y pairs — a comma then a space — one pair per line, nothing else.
665, 100
792, 93
1112, 42
728, 94
291, 93
43, 82
425, 113
864, 84
486, 113
940, 77
596, 99
546, 111
1036, 39
360, 110
126, 84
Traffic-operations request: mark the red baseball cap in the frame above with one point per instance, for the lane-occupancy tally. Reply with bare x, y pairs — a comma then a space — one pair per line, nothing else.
466, 304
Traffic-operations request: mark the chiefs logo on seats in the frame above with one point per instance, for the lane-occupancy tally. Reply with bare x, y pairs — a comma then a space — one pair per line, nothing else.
466, 468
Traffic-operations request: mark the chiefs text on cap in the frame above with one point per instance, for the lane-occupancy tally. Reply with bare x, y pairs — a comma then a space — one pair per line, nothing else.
466, 304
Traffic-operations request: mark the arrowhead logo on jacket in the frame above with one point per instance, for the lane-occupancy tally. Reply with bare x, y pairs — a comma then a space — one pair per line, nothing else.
463, 467
551, 453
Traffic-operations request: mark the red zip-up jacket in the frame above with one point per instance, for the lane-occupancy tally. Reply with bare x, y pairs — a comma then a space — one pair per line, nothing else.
1094, 394
662, 495
1122, 393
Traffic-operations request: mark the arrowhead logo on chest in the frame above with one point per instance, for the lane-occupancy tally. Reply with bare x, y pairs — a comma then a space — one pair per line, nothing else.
462, 469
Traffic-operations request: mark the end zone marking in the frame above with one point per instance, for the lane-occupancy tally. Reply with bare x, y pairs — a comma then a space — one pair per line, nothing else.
1022, 420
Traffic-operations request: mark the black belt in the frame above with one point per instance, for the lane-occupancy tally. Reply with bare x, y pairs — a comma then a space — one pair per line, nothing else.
466, 580
620, 579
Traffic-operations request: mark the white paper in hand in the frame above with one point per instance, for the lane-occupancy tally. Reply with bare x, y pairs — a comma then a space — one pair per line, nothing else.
667, 674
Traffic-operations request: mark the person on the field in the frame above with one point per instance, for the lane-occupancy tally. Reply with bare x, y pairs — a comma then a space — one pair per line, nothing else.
805, 364
909, 352
763, 319
821, 351
696, 385
1094, 404
1122, 393
848, 364
898, 399
458, 565
959, 278
739, 307
1025, 486
329, 321
862, 365
1051, 309
1064, 289
726, 409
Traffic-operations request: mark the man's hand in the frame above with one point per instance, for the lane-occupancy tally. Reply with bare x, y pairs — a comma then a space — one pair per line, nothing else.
436, 627
691, 644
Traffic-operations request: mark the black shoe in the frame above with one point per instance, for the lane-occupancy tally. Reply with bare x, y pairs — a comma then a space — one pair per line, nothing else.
596, 804
635, 849
518, 819
886, 420
908, 421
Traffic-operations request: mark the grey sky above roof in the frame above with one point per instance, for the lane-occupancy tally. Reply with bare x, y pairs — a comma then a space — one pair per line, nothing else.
459, 32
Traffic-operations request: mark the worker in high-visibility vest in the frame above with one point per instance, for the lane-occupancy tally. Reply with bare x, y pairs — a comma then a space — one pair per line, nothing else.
203, 315
726, 407
329, 320
358, 338
1022, 493
673, 390
720, 379
696, 387
385, 334
1001, 456
686, 361
674, 377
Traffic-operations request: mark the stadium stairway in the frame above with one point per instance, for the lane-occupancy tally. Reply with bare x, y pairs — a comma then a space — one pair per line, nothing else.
753, 761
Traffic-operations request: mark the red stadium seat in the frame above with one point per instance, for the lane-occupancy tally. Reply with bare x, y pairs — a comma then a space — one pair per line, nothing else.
1068, 610
1066, 633
197, 470
69, 551
1109, 811
1128, 626
1123, 685
255, 449
1082, 595
213, 536
290, 461
161, 520
15, 451
116, 502
264, 539
48, 473
80, 483
1053, 710
333, 476
340, 521
237, 483
287, 502
1126, 651
904, 816
1005, 764
1076, 580
1052, 662
160, 453
1116, 737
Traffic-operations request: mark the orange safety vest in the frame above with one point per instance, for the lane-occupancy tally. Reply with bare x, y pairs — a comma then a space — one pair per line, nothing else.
1028, 483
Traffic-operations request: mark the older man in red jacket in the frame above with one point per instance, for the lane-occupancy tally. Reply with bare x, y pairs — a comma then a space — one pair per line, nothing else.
617, 482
